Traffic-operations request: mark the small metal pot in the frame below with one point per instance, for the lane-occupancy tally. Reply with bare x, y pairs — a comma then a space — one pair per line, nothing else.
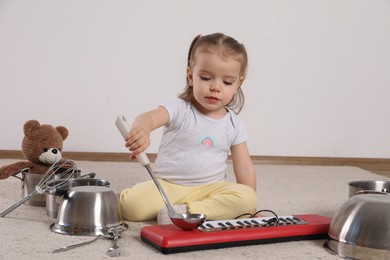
369, 187
29, 181
62, 185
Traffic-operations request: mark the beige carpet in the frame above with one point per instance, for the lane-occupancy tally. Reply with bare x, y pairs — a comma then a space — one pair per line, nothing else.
286, 190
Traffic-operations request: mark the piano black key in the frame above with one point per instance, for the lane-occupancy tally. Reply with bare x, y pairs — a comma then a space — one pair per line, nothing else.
271, 220
224, 227
255, 223
209, 225
241, 225
247, 222
291, 220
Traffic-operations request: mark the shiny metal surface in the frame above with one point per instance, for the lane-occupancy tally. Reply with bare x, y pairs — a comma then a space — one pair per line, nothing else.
84, 180
66, 248
349, 251
53, 201
188, 221
114, 251
88, 182
361, 222
29, 182
88, 210
356, 187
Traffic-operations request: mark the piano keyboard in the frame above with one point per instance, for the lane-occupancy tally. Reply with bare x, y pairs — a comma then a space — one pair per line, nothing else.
238, 232
220, 225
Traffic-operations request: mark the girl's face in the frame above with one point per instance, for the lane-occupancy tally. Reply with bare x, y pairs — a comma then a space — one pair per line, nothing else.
214, 79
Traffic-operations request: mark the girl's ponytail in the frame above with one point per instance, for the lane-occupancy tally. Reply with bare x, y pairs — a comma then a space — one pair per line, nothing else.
191, 49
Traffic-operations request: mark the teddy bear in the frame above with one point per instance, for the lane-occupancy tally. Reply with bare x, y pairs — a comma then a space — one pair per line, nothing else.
42, 146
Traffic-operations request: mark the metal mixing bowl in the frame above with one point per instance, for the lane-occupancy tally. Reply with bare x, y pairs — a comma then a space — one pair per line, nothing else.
360, 229
54, 200
88, 210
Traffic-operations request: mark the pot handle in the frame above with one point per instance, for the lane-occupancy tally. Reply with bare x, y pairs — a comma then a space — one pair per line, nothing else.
88, 175
383, 192
23, 172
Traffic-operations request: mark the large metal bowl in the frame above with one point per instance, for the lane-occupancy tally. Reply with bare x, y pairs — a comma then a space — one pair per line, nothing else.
88, 210
360, 228
54, 200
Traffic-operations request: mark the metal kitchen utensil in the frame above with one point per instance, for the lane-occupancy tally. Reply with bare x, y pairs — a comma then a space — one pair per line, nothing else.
64, 170
110, 234
183, 221
65, 248
114, 250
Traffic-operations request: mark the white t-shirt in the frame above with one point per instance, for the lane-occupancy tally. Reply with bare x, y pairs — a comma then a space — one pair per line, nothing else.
194, 148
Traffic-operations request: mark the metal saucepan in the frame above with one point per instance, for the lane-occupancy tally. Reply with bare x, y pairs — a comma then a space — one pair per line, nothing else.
29, 181
83, 180
369, 187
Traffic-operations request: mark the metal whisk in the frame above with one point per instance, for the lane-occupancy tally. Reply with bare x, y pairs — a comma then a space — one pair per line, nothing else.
58, 175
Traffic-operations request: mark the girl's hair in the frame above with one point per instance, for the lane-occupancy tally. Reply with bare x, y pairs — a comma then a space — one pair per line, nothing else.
230, 47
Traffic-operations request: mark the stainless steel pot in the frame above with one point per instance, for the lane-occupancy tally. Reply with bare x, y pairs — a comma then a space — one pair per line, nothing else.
360, 229
29, 181
373, 187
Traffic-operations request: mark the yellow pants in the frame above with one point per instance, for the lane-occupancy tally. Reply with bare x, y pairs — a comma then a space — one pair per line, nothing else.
220, 200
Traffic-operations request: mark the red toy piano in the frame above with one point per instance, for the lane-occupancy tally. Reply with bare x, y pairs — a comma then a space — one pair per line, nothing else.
238, 232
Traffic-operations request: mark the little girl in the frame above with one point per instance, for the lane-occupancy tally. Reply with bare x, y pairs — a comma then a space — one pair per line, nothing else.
201, 127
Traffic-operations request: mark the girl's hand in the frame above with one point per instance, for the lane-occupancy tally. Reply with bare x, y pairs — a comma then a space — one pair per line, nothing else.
137, 140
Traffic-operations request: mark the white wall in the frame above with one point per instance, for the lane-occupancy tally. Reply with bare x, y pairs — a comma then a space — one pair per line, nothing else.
318, 83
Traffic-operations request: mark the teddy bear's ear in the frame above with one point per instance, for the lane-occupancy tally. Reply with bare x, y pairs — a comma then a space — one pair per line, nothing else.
30, 126
63, 132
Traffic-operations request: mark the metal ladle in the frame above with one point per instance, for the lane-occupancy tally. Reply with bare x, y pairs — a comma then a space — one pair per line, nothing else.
183, 221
